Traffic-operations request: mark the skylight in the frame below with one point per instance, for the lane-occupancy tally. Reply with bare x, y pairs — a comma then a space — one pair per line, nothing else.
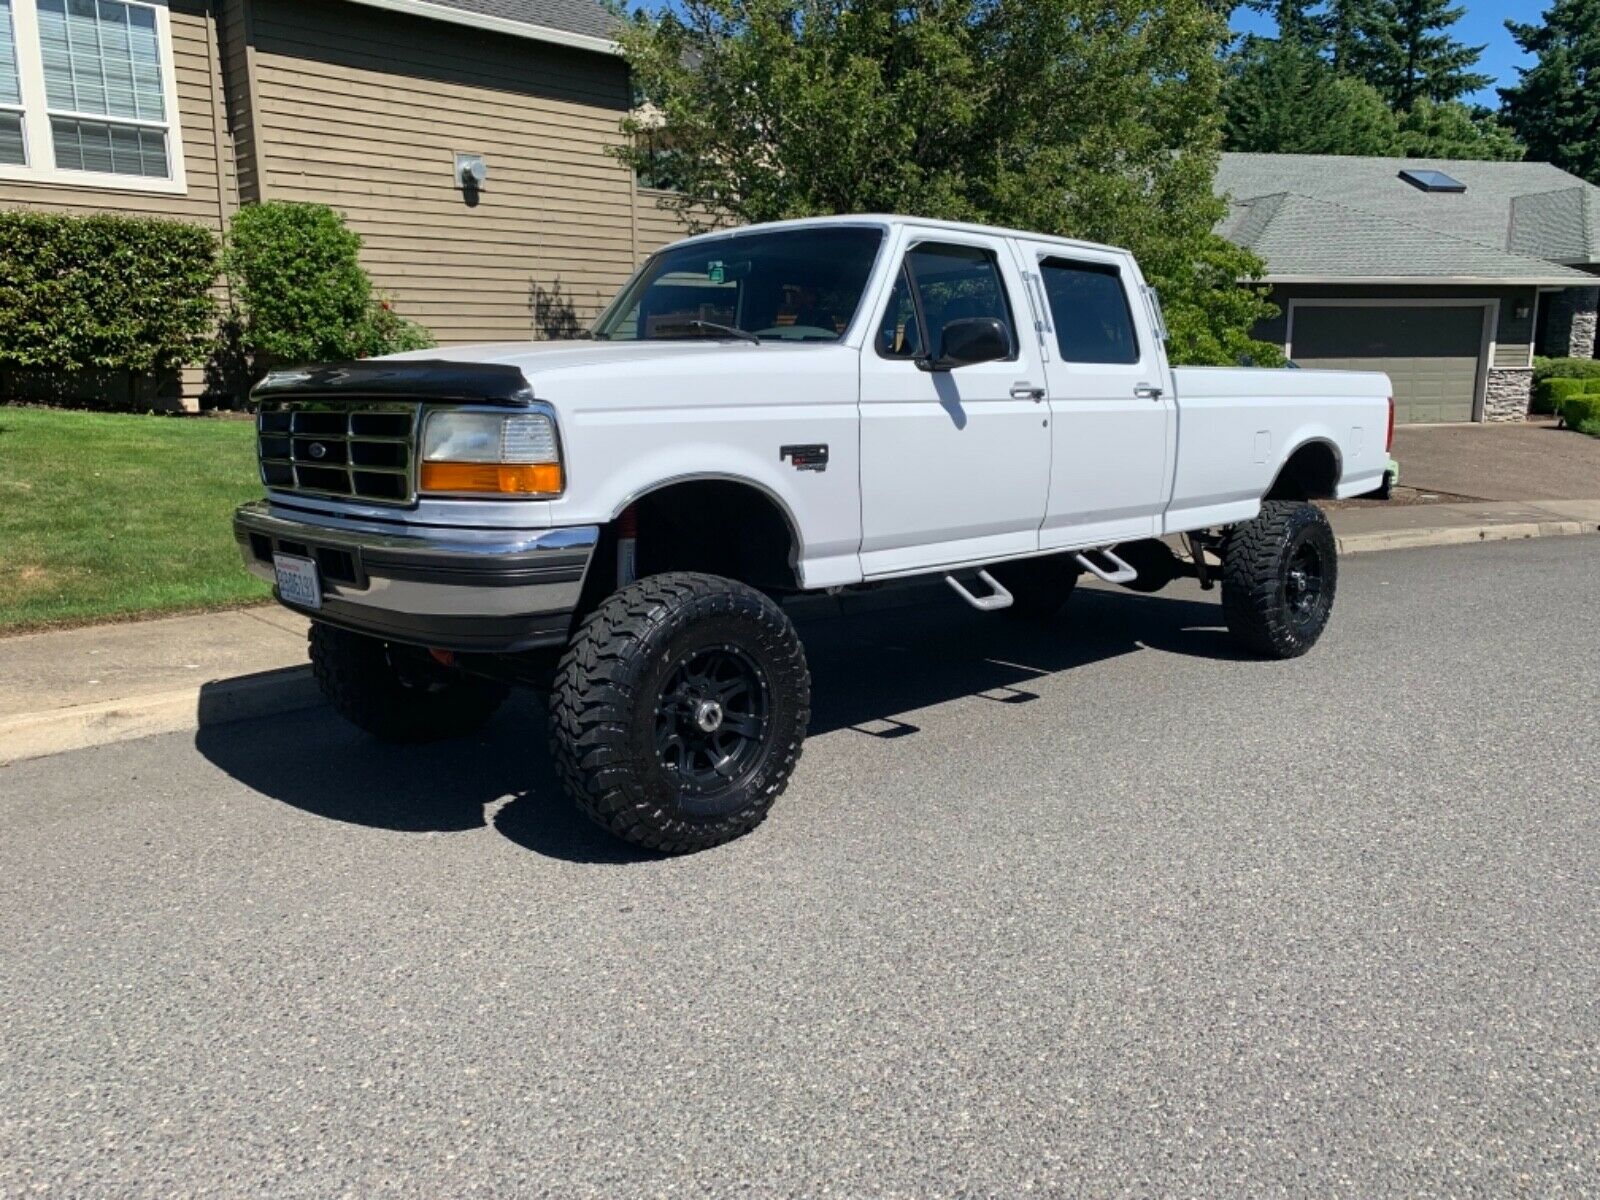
1432, 181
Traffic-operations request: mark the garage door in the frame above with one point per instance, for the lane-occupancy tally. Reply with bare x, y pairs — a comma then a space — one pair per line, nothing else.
1431, 354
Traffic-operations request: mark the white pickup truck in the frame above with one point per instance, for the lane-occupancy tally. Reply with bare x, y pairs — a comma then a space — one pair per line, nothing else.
797, 407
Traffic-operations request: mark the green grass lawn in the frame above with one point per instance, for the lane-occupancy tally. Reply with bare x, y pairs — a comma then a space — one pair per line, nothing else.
104, 515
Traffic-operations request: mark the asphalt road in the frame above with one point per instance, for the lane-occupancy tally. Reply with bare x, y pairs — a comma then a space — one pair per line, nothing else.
1101, 909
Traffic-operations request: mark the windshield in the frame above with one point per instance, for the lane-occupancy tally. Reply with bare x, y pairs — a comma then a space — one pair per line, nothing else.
793, 285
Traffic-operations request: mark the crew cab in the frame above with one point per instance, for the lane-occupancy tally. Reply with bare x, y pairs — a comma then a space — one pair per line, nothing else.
796, 407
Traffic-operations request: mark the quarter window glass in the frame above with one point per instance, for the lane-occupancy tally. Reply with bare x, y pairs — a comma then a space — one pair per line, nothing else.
954, 283
1089, 308
898, 333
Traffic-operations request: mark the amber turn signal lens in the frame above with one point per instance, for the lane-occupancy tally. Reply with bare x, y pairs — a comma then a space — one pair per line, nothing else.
496, 479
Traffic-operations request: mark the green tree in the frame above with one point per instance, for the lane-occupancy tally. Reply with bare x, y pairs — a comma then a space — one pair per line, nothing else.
1452, 130
1297, 23
1090, 119
1407, 53
1555, 106
1345, 25
1281, 98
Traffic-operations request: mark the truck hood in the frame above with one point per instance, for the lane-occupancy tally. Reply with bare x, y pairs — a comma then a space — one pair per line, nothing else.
537, 358
583, 376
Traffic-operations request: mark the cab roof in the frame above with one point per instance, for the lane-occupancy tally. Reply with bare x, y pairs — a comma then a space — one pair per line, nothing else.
893, 220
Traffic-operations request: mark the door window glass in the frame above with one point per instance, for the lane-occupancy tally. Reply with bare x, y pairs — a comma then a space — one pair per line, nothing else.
952, 283
1089, 308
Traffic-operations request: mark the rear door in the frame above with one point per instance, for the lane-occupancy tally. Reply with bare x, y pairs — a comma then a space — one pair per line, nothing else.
1111, 404
955, 465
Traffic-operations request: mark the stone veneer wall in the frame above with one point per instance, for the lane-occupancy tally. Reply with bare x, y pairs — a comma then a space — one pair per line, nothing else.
1572, 322
1508, 393
1581, 341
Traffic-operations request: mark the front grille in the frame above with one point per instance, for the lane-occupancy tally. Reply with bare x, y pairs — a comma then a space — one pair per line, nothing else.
362, 450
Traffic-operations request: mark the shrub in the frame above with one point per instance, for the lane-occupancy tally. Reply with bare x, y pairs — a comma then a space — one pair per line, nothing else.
387, 332
121, 293
1577, 410
1565, 368
1549, 393
301, 291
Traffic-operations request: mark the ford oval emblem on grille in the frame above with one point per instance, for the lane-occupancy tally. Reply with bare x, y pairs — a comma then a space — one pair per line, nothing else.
318, 450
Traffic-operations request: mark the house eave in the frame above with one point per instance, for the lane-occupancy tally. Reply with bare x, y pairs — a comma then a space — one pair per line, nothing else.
1575, 279
517, 29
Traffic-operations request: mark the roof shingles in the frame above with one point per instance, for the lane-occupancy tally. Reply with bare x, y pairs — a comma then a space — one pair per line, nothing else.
1313, 216
583, 17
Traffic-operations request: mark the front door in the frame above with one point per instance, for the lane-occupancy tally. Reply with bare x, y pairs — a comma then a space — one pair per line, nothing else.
955, 465
1111, 406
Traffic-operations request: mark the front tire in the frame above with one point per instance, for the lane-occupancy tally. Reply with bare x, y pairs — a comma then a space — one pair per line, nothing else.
395, 692
679, 710
1279, 575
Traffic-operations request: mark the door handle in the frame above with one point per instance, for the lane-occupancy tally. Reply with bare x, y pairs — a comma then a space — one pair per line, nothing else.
1026, 391
1147, 391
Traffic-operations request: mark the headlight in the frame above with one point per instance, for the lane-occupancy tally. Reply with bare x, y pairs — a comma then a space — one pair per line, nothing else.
503, 454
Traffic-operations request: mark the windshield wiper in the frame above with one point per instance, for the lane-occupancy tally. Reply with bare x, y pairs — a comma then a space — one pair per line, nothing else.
743, 335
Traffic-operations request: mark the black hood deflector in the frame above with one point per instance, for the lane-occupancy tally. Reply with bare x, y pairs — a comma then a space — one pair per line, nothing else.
433, 380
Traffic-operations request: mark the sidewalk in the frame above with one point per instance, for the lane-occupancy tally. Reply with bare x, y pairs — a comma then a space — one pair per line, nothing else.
108, 683
1398, 527
85, 687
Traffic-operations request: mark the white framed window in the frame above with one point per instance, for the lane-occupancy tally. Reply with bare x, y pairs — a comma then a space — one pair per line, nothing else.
91, 101
13, 148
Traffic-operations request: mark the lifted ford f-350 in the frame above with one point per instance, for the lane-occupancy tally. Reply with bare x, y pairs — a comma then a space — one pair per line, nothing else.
798, 407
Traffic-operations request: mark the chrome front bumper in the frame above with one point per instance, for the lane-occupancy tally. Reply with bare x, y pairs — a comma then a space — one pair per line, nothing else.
475, 590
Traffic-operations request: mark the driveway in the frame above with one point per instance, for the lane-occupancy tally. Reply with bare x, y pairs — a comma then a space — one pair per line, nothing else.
1534, 461
1098, 909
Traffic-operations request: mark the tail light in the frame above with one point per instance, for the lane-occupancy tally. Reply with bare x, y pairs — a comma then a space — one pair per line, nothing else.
1388, 441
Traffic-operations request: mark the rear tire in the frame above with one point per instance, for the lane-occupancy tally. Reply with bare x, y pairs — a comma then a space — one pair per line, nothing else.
1038, 586
396, 692
1279, 575
679, 710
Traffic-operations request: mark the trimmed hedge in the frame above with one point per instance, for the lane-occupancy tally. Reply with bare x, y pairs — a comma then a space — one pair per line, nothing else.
1548, 394
119, 293
302, 294
1577, 410
1565, 368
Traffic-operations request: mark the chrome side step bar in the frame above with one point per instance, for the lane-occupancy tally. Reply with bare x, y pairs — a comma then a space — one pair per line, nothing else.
997, 598
1121, 572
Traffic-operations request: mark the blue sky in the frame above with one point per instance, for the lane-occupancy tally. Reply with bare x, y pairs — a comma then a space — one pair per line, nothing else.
1482, 24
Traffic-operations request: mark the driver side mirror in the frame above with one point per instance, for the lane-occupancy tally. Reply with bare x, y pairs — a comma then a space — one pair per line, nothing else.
969, 340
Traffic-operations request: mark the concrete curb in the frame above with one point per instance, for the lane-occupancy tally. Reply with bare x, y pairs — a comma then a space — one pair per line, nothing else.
56, 731
1461, 535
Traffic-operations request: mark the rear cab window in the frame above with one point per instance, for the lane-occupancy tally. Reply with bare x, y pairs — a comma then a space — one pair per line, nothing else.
1090, 311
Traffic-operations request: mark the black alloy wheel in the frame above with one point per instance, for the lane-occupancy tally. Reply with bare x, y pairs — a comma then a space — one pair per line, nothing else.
712, 723
1303, 585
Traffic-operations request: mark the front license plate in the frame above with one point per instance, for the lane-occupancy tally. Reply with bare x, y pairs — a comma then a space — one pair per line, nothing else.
297, 581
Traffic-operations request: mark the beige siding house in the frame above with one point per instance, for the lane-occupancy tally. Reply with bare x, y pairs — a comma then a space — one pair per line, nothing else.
190, 108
